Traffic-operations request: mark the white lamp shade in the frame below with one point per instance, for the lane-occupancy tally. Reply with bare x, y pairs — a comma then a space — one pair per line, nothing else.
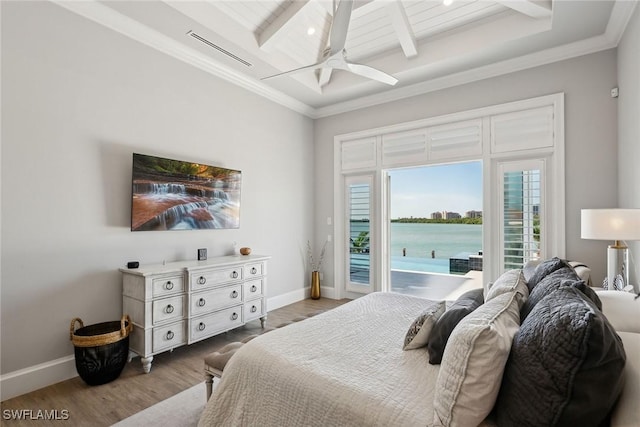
610, 224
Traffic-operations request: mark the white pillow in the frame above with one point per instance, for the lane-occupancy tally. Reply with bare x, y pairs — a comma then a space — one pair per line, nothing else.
507, 282
418, 334
474, 360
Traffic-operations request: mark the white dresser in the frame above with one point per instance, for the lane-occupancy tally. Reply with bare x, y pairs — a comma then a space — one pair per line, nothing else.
179, 303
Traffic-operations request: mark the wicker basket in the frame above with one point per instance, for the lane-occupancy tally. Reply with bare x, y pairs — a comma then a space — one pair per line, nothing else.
101, 350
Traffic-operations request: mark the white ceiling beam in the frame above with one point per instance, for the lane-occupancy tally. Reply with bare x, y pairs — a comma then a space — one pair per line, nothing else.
357, 4
402, 28
532, 8
268, 38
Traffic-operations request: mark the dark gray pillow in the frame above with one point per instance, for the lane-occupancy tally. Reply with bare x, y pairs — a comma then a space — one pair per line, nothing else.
565, 276
441, 331
588, 292
545, 268
545, 286
565, 367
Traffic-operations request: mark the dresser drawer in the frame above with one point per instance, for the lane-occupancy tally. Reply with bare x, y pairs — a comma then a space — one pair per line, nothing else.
254, 270
253, 309
208, 278
253, 289
168, 286
215, 299
169, 336
210, 324
167, 309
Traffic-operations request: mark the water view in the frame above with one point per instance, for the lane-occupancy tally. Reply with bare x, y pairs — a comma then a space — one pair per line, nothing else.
428, 247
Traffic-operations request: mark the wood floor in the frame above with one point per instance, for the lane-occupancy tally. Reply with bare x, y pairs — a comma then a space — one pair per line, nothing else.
133, 391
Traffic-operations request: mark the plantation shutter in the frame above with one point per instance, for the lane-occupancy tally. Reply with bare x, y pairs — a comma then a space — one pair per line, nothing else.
522, 130
402, 148
359, 153
522, 213
359, 233
455, 140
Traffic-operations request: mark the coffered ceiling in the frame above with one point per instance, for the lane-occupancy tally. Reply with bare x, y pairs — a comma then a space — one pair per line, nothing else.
425, 44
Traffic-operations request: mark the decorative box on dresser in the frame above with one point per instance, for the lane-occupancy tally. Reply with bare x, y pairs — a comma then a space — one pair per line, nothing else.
180, 303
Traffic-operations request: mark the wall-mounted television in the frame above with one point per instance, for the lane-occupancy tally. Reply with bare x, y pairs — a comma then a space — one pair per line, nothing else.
177, 195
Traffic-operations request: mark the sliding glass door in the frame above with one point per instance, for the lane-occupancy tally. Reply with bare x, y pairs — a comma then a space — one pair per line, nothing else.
435, 228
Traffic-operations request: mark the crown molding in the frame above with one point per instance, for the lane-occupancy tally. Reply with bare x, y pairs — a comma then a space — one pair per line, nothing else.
619, 19
103, 15
559, 53
133, 29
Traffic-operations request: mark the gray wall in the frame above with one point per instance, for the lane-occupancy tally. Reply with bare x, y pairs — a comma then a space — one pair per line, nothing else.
629, 129
77, 100
590, 137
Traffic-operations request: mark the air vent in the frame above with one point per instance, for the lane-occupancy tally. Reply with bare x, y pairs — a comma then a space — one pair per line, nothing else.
218, 48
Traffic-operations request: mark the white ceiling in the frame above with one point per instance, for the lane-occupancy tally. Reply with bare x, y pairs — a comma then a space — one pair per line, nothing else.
423, 43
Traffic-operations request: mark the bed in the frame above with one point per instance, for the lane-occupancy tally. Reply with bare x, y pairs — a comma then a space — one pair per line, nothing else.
358, 377
561, 363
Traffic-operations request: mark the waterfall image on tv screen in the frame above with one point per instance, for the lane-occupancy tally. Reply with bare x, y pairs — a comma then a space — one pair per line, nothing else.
177, 195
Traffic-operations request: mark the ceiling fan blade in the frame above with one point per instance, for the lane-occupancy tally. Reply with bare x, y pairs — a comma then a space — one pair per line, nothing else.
340, 26
295, 70
325, 76
372, 73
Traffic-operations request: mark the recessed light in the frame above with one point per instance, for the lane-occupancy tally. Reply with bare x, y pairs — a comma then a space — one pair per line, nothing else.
447, 2
311, 31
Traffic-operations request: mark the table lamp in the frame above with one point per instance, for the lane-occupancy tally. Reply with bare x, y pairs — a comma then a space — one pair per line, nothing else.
617, 225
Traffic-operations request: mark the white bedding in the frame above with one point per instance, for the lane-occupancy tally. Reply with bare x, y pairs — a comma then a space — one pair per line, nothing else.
345, 367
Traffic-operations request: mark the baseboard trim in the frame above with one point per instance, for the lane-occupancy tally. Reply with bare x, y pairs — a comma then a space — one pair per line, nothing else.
35, 377
279, 301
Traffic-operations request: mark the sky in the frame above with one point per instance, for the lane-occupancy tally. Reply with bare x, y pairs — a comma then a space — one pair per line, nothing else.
420, 191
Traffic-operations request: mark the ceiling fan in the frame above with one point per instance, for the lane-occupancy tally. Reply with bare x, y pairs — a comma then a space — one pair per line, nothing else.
336, 55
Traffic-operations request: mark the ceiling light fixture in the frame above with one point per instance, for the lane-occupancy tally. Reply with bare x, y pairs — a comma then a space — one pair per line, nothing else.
311, 31
447, 2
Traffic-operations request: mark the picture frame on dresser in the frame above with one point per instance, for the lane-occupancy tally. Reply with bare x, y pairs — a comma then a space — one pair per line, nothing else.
180, 303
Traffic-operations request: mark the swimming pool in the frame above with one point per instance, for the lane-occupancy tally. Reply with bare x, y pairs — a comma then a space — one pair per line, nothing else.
431, 265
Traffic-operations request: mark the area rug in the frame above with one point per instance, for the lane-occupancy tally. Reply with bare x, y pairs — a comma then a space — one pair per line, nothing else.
182, 410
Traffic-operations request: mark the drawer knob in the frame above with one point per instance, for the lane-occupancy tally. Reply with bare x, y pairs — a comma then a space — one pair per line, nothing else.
169, 285
201, 302
253, 288
254, 308
169, 309
201, 326
234, 274
234, 294
234, 316
170, 335
254, 270
202, 280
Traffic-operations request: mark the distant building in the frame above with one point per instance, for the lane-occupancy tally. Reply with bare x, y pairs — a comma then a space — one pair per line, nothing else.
473, 214
436, 215
450, 215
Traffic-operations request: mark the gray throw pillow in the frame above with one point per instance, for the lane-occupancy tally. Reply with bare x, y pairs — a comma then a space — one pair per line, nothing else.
440, 333
418, 334
565, 367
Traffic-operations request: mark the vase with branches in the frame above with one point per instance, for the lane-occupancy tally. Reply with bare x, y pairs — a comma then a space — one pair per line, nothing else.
315, 264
